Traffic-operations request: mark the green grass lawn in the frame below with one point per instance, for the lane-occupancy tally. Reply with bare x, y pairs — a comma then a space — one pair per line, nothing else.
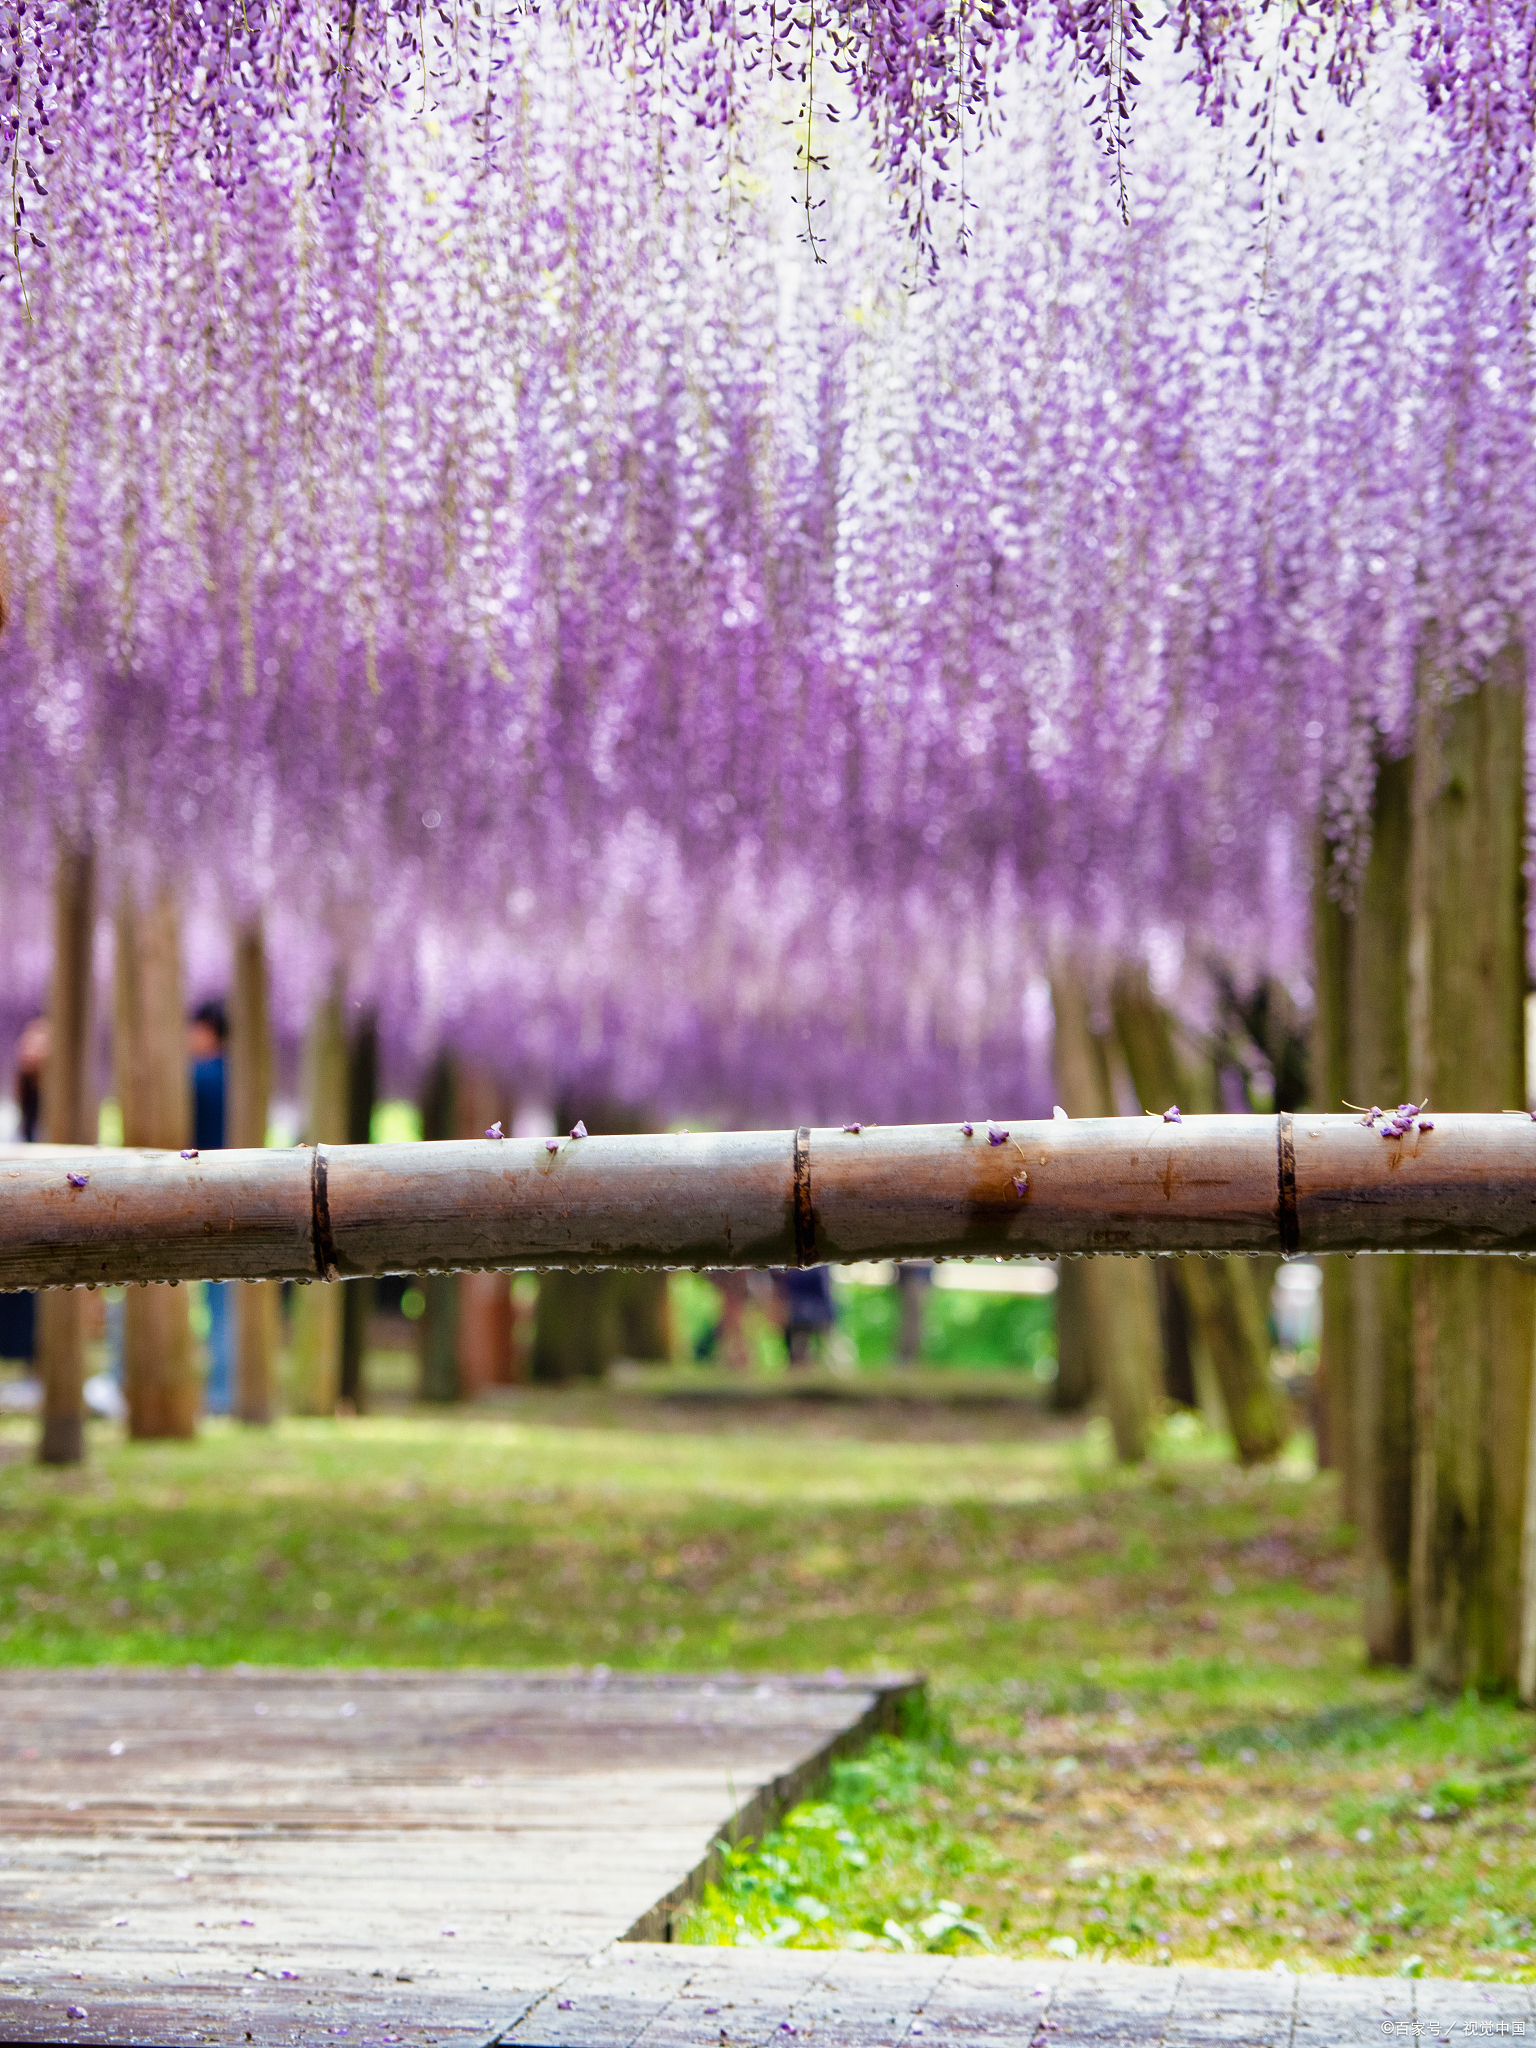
1153, 1732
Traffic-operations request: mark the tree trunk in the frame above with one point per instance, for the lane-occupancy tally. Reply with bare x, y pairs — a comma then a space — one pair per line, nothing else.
1380, 1493
68, 1118
1222, 1297
574, 1328
315, 1332
1114, 1316
250, 1088
1472, 1318
1333, 941
1179, 1383
150, 1056
643, 1305
357, 1295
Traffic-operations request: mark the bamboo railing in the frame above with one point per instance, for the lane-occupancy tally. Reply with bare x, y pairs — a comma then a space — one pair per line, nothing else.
73, 1216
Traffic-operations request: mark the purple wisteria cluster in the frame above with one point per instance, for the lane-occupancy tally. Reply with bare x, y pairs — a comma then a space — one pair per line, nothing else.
613, 642
209, 83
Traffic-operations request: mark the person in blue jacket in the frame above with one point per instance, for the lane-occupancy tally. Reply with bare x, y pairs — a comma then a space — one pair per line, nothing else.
207, 1035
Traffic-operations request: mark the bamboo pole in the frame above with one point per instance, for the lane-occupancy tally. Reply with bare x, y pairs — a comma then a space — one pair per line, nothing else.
1214, 1184
68, 1119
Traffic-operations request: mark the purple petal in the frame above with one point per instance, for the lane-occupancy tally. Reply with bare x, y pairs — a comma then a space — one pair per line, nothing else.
1021, 1184
1426, 1123
1172, 1115
855, 1128
191, 1153
496, 1131
551, 1144
996, 1135
967, 1130
77, 1180
580, 1129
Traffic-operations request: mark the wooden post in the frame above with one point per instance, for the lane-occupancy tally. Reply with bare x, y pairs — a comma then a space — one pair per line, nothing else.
482, 1326
1227, 1311
1111, 1304
1333, 938
439, 1329
1380, 1438
150, 1059
68, 1119
357, 1295
250, 1086
584, 1321
315, 1334
1473, 1319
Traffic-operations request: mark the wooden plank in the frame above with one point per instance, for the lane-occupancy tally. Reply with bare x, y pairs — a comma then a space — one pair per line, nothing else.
275, 1856
758, 1198
749, 1998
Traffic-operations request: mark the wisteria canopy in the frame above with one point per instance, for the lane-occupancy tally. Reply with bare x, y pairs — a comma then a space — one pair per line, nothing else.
450, 507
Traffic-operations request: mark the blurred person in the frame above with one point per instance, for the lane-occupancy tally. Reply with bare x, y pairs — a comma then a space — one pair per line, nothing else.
806, 1308
727, 1340
18, 1312
207, 1036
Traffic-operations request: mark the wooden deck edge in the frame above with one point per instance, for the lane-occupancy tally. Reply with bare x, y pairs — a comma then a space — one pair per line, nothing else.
772, 1801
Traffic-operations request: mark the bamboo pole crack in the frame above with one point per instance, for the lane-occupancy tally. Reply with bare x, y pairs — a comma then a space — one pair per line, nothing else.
72, 1216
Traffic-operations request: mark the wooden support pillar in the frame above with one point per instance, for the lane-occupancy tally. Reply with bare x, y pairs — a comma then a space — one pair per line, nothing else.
584, 1321
1333, 940
357, 1295
250, 1087
1110, 1336
68, 1118
1473, 1319
483, 1311
315, 1331
1380, 1427
1228, 1313
150, 1060
439, 1327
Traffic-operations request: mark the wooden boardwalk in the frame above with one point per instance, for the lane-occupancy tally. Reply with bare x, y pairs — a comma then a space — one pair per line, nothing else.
268, 1857
291, 1858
